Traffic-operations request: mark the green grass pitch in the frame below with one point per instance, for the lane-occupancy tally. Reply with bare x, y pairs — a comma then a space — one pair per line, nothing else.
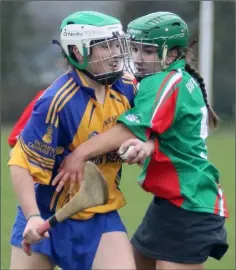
221, 147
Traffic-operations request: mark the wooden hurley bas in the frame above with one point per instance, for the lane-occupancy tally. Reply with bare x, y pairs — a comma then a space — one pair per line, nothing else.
93, 192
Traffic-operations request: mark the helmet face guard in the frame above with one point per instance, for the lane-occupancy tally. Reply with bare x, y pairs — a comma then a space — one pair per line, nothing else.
138, 67
113, 64
87, 31
162, 30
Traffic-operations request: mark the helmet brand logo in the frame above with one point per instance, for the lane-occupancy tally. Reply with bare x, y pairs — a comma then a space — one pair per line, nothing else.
72, 34
174, 36
134, 31
113, 27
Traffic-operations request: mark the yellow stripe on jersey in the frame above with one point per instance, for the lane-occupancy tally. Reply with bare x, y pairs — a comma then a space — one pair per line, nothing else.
127, 82
125, 102
49, 115
46, 161
19, 158
82, 78
65, 101
34, 163
61, 97
36, 160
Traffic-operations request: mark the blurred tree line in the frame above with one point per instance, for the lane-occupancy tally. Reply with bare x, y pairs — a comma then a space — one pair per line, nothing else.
29, 62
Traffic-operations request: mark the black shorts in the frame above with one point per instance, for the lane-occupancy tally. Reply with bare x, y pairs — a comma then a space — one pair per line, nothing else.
170, 233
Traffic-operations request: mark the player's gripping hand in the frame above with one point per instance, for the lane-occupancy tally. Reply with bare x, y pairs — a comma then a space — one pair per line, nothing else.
139, 152
31, 234
71, 169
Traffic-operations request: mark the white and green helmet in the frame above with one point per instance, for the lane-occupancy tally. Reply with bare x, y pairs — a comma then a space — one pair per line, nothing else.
81, 28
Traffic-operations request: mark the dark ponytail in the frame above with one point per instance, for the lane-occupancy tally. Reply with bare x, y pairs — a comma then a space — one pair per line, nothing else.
213, 118
188, 55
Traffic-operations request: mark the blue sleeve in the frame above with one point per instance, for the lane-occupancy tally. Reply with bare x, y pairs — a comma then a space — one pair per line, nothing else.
37, 144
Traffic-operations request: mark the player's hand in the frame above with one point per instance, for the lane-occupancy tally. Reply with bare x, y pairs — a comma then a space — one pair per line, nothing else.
140, 151
30, 234
71, 169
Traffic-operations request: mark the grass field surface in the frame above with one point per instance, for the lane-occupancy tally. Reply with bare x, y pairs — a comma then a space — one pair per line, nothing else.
221, 147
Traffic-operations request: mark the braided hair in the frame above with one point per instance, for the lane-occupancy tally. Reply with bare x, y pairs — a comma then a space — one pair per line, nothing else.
213, 118
188, 56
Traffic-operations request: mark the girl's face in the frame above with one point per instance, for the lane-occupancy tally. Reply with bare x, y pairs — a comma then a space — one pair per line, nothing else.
106, 56
145, 58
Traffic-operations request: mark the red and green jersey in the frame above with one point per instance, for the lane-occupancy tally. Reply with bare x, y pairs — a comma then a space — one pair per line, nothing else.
170, 107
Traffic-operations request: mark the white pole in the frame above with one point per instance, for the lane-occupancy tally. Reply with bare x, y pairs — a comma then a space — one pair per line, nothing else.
206, 48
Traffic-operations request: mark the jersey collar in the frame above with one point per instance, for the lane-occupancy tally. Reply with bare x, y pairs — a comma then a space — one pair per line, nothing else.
79, 78
178, 64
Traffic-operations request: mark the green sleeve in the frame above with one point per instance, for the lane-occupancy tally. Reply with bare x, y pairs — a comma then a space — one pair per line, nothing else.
154, 106
137, 119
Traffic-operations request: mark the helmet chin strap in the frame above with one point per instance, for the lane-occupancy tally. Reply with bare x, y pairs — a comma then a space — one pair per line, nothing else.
164, 54
104, 79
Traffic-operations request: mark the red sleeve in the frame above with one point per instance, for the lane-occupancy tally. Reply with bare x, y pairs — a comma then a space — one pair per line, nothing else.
163, 116
20, 124
164, 111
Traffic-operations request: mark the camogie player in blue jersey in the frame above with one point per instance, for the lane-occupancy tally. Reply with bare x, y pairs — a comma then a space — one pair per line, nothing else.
83, 102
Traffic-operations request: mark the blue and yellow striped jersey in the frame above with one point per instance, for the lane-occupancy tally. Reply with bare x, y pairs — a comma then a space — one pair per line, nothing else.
65, 116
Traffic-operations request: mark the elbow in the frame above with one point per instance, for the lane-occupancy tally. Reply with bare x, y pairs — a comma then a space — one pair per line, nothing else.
127, 134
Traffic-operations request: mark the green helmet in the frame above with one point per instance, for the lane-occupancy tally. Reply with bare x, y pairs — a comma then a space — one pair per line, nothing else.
80, 28
162, 29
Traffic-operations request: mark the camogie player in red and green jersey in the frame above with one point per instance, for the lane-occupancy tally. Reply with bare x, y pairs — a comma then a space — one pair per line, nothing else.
184, 223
